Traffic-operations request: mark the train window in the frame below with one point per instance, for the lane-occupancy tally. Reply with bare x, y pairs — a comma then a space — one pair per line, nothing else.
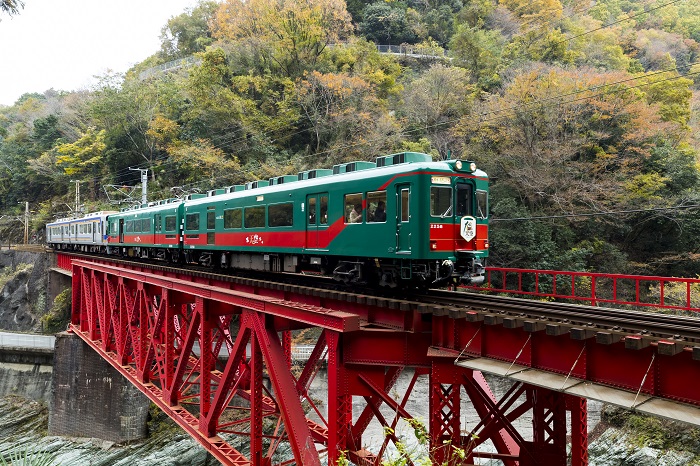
192, 222
482, 204
158, 222
323, 219
211, 220
405, 216
170, 223
129, 227
312, 211
233, 218
280, 215
464, 199
254, 217
353, 208
376, 206
440, 201
146, 225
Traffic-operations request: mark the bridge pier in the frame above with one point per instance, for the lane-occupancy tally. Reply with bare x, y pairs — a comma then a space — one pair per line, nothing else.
89, 398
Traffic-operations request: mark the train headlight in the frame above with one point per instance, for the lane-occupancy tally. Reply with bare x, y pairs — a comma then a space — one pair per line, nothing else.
465, 166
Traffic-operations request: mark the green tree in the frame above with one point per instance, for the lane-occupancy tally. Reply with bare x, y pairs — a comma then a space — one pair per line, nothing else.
188, 33
567, 153
362, 59
11, 7
435, 99
347, 121
125, 109
674, 95
385, 23
84, 155
287, 36
477, 50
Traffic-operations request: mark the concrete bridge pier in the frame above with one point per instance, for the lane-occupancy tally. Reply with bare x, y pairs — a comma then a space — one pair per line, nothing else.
89, 398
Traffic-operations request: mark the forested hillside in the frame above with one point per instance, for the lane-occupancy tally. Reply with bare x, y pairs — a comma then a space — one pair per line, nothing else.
584, 113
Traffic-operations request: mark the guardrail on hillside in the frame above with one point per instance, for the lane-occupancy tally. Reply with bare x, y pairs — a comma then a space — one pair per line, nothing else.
681, 294
170, 66
409, 50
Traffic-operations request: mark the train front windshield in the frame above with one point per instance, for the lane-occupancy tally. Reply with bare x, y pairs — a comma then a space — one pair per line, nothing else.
464, 205
463, 201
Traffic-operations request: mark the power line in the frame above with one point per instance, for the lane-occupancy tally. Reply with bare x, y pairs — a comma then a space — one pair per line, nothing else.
604, 26
597, 214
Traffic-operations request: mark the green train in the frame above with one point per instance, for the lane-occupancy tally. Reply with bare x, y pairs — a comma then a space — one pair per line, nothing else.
402, 221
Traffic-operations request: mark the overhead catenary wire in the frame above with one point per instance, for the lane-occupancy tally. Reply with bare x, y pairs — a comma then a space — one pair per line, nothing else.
598, 214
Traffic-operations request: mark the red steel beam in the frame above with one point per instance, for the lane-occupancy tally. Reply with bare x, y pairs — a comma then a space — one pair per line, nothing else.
307, 314
164, 333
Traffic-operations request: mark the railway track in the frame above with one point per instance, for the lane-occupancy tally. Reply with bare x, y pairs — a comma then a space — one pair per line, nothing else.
606, 325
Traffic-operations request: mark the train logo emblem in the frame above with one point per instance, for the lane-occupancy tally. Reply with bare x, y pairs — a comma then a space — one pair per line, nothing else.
467, 228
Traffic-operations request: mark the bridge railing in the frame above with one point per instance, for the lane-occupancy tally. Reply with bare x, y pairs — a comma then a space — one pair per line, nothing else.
680, 294
303, 352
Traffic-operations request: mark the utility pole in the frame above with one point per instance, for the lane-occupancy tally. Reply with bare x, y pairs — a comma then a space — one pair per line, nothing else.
26, 222
76, 212
144, 183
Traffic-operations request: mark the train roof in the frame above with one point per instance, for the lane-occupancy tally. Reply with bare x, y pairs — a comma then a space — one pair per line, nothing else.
86, 217
402, 162
340, 173
164, 205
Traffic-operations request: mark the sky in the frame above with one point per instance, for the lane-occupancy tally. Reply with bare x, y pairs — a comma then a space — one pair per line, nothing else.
64, 44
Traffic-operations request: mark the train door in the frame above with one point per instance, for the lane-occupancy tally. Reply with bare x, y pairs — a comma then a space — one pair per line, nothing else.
464, 210
121, 230
403, 219
317, 221
211, 225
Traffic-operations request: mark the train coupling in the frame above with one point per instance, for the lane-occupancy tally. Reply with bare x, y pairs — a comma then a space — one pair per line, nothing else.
475, 276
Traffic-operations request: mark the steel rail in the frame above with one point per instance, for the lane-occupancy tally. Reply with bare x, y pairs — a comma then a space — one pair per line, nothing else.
644, 323
458, 304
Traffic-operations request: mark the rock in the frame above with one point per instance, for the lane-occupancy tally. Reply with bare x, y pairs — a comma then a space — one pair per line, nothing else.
23, 281
616, 448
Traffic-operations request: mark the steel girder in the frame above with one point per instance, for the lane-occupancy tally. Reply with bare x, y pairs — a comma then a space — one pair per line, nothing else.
201, 352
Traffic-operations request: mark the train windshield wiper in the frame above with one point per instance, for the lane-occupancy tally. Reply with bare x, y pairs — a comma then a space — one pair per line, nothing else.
447, 212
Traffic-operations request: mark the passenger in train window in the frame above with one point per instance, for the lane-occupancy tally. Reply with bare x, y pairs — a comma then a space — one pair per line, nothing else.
380, 212
356, 214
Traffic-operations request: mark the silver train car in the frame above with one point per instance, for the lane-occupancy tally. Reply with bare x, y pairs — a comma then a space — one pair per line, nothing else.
87, 234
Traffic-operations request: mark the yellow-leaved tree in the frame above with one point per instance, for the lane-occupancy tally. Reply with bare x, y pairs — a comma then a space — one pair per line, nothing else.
535, 13
287, 35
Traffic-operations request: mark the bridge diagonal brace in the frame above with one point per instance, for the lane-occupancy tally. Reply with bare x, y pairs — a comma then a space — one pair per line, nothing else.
311, 366
288, 400
389, 432
365, 417
385, 397
509, 440
229, 377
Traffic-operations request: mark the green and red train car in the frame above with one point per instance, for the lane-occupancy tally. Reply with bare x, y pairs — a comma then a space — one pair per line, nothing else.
403, 220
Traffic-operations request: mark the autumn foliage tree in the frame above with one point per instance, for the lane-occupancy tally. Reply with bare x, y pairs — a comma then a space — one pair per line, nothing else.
568, 141
288, 36
344, 116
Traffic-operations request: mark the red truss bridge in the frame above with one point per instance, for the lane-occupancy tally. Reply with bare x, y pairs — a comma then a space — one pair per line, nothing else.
201, 346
